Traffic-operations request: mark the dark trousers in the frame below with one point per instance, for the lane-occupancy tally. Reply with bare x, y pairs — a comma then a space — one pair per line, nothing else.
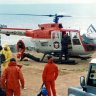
64, 52
30, 57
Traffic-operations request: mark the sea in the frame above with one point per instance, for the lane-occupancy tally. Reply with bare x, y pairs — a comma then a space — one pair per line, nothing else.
82, 15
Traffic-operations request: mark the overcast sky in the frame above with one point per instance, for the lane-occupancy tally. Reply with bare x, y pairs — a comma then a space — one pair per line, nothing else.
44, 1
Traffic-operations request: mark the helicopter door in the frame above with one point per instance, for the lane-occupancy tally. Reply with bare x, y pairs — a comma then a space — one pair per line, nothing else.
56, 40
76, 42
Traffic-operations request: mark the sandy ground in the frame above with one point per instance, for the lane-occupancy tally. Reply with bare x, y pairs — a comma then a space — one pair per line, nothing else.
69, 75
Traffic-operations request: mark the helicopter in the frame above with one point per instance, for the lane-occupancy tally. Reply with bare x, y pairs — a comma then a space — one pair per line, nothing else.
47, 38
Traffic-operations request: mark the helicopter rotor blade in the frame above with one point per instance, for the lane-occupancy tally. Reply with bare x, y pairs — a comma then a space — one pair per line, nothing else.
64, 16
26, 14
56, 16
50, 15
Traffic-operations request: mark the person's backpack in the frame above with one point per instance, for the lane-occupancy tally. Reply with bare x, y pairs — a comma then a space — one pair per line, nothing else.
2, 58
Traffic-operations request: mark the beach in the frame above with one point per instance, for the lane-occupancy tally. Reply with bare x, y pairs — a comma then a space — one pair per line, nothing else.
69, 75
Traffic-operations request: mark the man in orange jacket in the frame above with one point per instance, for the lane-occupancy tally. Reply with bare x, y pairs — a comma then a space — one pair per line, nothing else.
49, 76
11, 77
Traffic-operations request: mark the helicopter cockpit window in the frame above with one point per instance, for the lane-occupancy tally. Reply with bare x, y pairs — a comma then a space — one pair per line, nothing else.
75, 36
76, 42
92, 76
55, 35
75, 39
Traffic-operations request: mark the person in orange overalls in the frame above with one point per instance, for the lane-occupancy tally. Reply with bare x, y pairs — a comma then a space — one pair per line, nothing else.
50, 74
11, 79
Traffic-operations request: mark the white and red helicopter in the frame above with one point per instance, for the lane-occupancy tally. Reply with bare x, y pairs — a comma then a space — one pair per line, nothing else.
47, 38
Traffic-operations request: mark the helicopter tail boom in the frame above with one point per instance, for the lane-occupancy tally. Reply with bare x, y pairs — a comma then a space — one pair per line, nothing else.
16, 31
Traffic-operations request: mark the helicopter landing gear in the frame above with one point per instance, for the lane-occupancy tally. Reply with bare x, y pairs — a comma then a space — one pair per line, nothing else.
65, 61
43, 57
83, 58
60, 60
70, 62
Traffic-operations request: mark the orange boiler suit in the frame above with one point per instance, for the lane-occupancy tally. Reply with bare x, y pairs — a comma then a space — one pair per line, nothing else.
49, 76
11, 79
